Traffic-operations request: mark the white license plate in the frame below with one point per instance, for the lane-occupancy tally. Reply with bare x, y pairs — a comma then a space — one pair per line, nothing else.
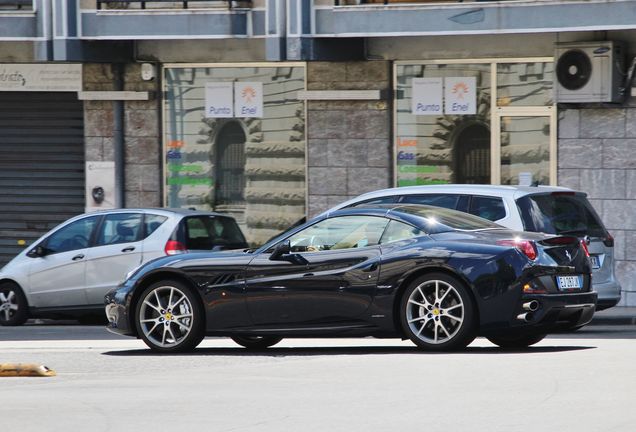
595, 260
569, 282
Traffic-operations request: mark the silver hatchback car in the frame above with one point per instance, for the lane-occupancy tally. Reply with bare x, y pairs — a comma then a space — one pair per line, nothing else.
551, 210
67, 271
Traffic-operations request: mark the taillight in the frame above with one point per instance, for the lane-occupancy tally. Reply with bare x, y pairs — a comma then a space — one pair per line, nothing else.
609, 240
587, 251
527, 247
174, 247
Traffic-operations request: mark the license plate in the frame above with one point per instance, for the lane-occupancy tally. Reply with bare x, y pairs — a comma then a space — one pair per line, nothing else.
569, 282
595, 260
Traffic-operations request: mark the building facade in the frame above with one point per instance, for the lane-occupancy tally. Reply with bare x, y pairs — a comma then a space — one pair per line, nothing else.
275, 110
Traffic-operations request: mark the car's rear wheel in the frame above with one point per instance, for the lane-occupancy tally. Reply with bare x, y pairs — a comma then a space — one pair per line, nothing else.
516, 342
438, 313
14, 309
169, 317
256, 342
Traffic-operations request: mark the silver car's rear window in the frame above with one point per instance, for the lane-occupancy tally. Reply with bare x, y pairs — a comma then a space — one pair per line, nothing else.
560, 213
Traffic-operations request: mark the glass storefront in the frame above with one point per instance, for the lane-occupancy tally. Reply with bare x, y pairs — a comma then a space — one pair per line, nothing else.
484, 122
234, 142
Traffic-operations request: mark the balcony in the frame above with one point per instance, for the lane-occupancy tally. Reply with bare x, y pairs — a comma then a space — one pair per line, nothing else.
362, 18
18, 20
136, 20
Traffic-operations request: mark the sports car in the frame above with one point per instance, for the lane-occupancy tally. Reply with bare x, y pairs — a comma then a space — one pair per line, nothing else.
435, 276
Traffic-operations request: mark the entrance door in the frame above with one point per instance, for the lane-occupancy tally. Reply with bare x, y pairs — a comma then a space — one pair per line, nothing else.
527, 146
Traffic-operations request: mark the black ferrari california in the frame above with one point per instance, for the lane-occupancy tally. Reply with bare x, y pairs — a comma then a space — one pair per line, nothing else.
436, 276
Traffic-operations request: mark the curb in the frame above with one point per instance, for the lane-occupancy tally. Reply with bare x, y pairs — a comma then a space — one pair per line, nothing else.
617, 321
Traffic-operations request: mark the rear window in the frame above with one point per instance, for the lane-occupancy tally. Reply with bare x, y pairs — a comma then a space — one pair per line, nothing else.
210, 232
560, 214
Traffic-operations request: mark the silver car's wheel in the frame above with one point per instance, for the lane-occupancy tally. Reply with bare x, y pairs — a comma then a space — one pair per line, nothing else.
169, 319
437, 313
13, 305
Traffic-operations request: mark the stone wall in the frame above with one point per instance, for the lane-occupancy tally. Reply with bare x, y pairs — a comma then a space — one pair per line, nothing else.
348, 142
597, 155
142, 142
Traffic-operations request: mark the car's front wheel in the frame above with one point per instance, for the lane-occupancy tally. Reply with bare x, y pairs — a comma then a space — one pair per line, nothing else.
13, 305
516, 342
169, 317
437, 313
256, 342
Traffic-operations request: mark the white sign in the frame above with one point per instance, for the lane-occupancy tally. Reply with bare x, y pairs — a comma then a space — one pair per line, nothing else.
460, 95
100, 186
40, 77
426, 98
248, 99
218, 100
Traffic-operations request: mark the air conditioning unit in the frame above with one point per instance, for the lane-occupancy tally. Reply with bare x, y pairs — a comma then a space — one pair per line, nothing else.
589, 72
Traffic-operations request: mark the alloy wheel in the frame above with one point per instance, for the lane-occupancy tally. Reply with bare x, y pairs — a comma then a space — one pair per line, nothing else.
8, 305
166, 316
435, 312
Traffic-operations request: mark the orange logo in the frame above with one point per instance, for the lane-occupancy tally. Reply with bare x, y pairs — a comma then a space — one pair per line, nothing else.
248, 94
460, 89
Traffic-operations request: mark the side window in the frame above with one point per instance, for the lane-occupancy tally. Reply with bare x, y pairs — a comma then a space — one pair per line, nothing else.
399, 231
381, 200
72, 237
491, 208
344, 232
119, 228
448, 201
152, 222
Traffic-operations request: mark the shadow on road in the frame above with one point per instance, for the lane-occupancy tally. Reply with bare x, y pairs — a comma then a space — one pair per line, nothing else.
336, 351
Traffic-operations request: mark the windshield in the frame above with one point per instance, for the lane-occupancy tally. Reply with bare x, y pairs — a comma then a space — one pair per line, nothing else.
560, 214
438, 220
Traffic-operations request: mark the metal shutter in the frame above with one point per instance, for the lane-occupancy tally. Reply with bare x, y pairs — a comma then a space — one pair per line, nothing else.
42, 165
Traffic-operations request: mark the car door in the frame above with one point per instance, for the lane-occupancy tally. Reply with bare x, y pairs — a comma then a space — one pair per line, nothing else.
328, 277
117, 250
57, 278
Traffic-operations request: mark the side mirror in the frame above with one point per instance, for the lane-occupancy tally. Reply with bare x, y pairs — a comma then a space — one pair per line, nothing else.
282, 248
37, 252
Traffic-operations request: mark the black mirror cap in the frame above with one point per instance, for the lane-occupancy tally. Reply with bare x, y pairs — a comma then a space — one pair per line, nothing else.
37, 252
280, 249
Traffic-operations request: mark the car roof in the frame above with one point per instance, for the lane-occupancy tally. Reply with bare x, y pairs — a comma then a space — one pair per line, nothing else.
508, 191
159, 210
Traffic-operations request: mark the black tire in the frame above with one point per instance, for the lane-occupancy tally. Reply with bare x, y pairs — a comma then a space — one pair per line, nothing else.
256, 342
157, 322
438, 313
516, 342
14, 308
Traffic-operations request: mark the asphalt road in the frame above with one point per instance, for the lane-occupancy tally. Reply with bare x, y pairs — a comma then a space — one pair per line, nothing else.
583, 381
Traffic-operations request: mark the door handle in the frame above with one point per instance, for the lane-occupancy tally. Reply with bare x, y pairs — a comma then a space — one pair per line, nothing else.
78, 257
128, 249
371, 268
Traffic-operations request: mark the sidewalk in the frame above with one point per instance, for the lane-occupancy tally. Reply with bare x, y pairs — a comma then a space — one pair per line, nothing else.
618, 315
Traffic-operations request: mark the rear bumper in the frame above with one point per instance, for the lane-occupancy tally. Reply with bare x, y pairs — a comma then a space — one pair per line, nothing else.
553, 313
609, 294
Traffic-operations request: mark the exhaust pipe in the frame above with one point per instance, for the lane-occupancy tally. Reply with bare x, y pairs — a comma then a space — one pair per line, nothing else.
531, 306
526, 317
